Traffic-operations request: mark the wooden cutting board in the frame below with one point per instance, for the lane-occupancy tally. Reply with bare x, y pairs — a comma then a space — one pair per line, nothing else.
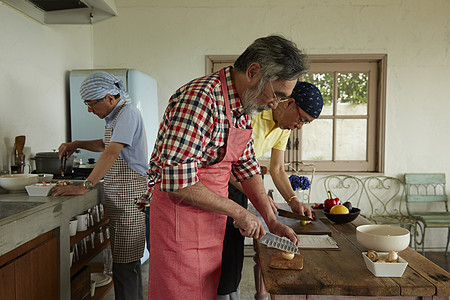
278, 262
315, 227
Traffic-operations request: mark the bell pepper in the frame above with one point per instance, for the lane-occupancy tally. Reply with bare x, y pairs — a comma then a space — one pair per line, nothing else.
330, 202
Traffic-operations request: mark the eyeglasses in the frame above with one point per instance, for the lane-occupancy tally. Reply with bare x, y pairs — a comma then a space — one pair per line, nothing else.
300, 115
92, 103
278, 100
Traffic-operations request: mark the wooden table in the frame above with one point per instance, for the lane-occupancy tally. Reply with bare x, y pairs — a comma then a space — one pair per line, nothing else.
342, 274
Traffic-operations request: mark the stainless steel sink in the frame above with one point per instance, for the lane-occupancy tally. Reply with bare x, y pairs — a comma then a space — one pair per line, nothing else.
14, 207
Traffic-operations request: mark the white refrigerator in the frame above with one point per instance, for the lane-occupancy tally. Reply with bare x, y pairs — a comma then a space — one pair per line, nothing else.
142, 89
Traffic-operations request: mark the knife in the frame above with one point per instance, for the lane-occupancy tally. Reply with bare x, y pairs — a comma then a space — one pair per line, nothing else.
274, 241
292, 215
278, 242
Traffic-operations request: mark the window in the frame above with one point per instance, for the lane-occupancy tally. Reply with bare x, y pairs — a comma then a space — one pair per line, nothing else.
349, 134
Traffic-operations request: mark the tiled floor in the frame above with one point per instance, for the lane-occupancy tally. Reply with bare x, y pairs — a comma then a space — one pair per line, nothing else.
248, 283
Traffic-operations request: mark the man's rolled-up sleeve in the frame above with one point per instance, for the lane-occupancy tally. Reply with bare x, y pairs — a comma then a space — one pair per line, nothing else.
179, 176
247, 166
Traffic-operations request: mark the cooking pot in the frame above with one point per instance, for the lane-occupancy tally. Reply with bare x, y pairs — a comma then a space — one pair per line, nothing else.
49, 162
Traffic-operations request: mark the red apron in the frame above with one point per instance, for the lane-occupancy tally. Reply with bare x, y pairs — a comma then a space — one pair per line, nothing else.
186, 241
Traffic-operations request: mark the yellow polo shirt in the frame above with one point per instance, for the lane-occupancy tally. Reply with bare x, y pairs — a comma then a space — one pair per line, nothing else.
266, 136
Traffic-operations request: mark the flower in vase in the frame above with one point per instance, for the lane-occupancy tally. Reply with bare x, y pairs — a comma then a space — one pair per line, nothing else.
299, 182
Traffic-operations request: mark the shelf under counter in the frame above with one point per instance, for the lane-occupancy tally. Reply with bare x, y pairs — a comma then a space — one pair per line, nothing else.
82, 234
91, 252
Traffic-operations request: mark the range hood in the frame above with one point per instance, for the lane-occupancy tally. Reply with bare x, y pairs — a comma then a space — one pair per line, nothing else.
65, 11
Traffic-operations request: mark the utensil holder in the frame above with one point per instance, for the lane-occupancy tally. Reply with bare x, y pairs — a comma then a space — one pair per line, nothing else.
20, 165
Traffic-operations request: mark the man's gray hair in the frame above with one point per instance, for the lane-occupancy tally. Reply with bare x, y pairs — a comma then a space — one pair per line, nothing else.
278, 57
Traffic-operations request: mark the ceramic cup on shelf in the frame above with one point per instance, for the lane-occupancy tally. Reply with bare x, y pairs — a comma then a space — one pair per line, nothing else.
92, 288
71, 258
95, 214
83, 221
73, 225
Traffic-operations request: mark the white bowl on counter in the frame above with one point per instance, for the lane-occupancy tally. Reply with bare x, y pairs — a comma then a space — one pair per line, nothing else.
17, 182
383, 237
39, 189
45, 177
385, 269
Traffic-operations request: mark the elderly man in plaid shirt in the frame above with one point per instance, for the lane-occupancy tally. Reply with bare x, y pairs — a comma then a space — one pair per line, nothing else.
206, 135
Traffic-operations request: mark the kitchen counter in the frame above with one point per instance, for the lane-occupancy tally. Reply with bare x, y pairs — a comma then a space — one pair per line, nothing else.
343, 273
23, 218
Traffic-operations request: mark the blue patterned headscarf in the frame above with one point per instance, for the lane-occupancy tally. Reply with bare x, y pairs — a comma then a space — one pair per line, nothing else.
99, 84
308, 97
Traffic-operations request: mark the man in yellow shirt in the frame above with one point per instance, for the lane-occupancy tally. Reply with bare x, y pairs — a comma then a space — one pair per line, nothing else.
271, 130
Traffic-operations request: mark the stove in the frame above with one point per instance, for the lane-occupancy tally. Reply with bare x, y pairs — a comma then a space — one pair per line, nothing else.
70, 177
77, 174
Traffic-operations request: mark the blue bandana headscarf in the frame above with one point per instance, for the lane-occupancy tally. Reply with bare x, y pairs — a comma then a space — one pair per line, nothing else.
308, 97
99, 84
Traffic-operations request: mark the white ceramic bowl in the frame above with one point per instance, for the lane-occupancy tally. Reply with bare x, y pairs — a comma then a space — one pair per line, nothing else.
383, 237
39, 189
385, 269
17, 182
45, 177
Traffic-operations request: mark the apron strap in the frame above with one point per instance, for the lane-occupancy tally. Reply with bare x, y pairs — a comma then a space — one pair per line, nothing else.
115, 117
223, 82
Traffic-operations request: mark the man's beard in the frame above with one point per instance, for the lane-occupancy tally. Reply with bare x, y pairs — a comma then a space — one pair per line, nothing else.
250, 97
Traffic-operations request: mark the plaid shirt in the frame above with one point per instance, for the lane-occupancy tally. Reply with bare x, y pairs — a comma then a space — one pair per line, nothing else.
194, 132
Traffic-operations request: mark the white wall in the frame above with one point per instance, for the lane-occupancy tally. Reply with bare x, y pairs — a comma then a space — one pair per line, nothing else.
169, 40
34, 60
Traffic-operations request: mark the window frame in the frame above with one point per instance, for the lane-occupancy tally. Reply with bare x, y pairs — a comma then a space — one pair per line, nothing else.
375, 162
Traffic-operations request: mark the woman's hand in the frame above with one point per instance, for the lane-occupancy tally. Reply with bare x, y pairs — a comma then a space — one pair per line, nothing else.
301, 208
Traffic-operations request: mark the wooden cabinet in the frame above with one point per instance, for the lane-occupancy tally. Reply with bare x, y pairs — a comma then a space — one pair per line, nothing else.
86, 252
7, 281
31, 270
37, 272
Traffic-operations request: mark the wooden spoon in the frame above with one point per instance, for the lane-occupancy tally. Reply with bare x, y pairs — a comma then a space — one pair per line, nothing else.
19, 143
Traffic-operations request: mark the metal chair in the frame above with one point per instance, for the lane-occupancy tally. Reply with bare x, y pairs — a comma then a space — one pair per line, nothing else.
346, 188
386, 197
426, 200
